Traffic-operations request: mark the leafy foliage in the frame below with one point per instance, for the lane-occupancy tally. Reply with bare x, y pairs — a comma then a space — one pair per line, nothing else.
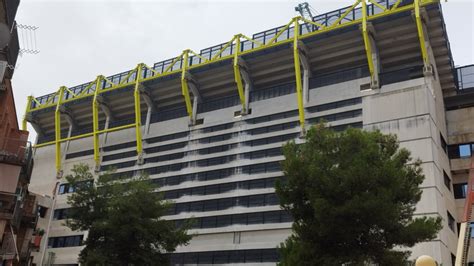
352, 196
123, 220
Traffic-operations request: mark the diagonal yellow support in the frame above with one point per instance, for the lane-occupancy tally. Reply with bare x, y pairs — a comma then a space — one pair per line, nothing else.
299, 87
138, 111
421, 35
95, 122
237, 75
368, 46
28, 107
57, 128
184, 84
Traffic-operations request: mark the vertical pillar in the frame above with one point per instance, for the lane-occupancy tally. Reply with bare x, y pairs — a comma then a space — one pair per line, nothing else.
368, 43
57, 130
28, 107
299, 90
95, 122
138, 114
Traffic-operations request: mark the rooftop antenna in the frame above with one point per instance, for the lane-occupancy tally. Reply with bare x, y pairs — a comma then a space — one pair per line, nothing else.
305, 11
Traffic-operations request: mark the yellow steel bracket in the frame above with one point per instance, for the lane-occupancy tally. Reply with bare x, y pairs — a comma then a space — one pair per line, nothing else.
95, 121
421, 35
184, 84
299, 87
28, 107
237, 75
368, 46
138, 112
57, 129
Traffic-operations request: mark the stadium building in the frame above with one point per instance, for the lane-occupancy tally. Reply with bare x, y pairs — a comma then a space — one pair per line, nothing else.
208, 126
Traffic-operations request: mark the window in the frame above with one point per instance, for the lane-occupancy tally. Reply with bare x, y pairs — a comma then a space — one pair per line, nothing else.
225, 257
460, 190
465, 150
65, 241
451, 222
447, 180
444, 146
60, 214
42, 211
68, 188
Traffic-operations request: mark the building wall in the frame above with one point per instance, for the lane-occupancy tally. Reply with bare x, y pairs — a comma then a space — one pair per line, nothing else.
411, 109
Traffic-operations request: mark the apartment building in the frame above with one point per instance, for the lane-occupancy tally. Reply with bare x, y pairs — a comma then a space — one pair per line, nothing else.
208, 126
18, 207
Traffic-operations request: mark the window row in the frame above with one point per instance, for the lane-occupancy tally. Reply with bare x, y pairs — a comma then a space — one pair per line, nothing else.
225, 257
270, 217
167, 157
334, 105
219, 188
274, 128
168, 147
460, 150
217, 128
335, 117
225, 203
117, 156
177, 135
79, 154
65, 241
267, 118
120, 146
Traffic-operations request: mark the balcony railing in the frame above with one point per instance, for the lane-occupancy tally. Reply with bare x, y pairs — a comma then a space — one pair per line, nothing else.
15, 150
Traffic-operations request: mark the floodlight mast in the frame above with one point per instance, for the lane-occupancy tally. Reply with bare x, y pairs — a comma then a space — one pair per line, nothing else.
305, 12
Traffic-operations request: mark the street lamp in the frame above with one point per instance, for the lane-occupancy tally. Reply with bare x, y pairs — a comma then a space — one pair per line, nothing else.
425, 261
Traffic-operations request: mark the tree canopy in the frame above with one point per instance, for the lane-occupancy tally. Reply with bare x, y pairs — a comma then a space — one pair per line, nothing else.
123, 219
352, 195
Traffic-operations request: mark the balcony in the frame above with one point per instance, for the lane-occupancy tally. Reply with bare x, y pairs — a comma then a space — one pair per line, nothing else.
14, 150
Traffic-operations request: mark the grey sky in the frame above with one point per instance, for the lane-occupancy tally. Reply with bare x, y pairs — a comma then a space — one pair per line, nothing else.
82, 39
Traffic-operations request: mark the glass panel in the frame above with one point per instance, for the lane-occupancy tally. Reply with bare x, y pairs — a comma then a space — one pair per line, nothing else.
465, 150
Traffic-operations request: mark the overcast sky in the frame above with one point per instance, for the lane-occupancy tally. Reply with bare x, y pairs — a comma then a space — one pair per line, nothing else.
79, 40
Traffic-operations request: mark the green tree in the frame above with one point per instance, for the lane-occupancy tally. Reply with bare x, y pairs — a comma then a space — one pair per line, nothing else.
352, 195
123, 220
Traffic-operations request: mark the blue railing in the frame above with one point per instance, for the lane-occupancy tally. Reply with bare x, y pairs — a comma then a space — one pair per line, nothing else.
262, 37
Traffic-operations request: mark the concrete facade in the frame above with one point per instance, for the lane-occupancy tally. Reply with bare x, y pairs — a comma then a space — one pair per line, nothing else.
418, 126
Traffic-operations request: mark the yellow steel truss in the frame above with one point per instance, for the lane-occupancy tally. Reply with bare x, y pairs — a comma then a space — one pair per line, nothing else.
57, 98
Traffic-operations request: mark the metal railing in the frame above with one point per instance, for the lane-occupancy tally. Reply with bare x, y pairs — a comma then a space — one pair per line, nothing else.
465, 76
